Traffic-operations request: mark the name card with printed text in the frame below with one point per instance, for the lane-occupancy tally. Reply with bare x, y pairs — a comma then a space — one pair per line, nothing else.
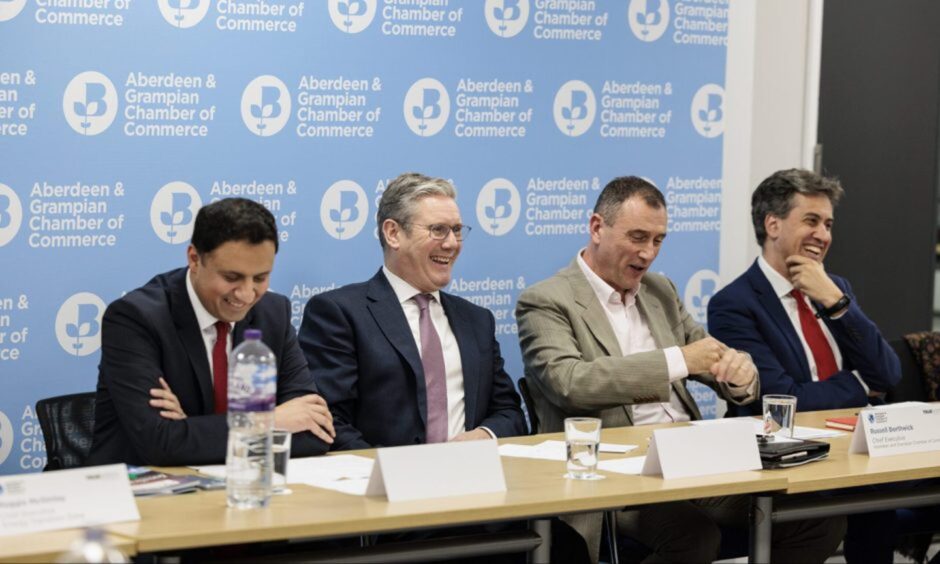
437, 470
897, 430
702, 450
83, 497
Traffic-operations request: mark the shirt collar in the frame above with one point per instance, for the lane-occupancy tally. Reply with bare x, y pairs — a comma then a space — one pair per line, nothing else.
203, 317
403, 290
782, 287
605, 292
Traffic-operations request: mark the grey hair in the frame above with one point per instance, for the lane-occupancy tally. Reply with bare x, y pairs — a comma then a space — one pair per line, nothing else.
774, 196
621, 189
401, 196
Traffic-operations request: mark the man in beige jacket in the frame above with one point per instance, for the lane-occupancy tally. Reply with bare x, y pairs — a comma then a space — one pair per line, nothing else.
605, 338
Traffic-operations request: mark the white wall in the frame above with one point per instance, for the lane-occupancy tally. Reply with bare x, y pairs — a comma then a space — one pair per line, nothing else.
771, 100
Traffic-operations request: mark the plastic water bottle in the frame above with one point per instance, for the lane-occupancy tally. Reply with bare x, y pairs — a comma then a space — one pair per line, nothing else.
252, 387
92, 546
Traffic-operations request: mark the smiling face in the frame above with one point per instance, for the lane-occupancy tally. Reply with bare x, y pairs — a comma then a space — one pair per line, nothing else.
232, 278
622, 253
413, 255
805, 231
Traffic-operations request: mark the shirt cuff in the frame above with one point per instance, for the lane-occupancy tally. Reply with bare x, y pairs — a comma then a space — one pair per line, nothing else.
743, 391
488, 431
861, 381
675, 364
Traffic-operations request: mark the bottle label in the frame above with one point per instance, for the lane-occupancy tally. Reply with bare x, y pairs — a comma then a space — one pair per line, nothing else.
252, 388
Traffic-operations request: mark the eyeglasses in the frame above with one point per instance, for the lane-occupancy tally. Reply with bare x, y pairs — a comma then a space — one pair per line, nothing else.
440, 231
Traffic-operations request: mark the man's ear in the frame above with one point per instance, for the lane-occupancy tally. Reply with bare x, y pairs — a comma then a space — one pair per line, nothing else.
594, 227
772, 225
392, 230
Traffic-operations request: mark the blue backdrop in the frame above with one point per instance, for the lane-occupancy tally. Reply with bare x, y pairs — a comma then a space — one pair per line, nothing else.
119, 118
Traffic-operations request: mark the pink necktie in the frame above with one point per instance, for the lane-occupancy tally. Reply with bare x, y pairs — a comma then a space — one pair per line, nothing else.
435, 379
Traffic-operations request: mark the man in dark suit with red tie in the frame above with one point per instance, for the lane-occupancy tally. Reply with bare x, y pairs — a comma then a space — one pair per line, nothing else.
803, 327
400, 361
162, 381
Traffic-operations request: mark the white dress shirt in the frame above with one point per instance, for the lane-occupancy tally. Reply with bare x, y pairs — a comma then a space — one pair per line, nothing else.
206, 323
405, 292
633, 335
782, 288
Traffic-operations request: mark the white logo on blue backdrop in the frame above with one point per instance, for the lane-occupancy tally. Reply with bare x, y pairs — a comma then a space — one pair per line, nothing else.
78, 324
344, 209
698, 291
11, 214
427, 107
9, 9
574, 108
708, 115
184, 13
265, 105
352, 16
6, 437
173, 212
506, 18
90, 103
498, 206
648, 18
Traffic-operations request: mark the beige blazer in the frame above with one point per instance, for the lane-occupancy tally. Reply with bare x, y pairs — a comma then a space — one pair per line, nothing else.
574, 365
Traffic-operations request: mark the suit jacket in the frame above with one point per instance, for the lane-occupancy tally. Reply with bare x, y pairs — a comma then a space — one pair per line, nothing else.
153, 332
366, 362
748, 315
574, 361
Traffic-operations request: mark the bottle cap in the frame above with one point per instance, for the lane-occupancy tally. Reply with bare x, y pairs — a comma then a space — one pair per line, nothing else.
252, 334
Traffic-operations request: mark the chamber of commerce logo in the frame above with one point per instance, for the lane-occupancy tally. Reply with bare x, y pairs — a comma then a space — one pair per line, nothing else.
9, 9
352, 16
698, 291
173, 212
90, 103
506, 18
498, 207
78, 324
11, 214
574, 108
265, 105
648, 18
344, 209
184, 13
707, 110
427, 107
6, 437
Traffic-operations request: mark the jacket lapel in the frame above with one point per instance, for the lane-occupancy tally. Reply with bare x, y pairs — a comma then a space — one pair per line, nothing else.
592, 311
184, 317
469, 359
390, 317
771, 304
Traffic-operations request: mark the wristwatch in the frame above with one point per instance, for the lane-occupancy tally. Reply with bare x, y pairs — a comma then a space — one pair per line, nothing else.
827, 312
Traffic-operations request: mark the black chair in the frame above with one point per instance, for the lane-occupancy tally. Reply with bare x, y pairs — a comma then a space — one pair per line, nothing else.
911, 387
68, 425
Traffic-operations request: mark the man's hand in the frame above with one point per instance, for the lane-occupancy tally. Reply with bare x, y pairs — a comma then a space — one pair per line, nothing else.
735, 368
701, 355
474, 435
306, 413
166, 401
809, 276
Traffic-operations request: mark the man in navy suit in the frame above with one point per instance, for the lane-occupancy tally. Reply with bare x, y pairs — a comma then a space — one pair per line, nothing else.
802, 326
399, 361
162, 379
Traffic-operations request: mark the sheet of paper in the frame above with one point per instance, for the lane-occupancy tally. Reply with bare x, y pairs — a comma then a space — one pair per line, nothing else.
346, 473
630, 465
798, 431
555, 450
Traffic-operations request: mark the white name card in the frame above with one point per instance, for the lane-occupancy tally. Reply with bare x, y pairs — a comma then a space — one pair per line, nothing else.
702, 450
897, 430
437, 470
65, 498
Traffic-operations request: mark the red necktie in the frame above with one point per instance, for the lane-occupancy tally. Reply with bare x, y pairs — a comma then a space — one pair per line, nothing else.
813, 333
220, 367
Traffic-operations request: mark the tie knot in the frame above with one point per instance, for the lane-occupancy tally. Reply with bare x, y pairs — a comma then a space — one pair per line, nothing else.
797, 295
423, 300
221, 329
